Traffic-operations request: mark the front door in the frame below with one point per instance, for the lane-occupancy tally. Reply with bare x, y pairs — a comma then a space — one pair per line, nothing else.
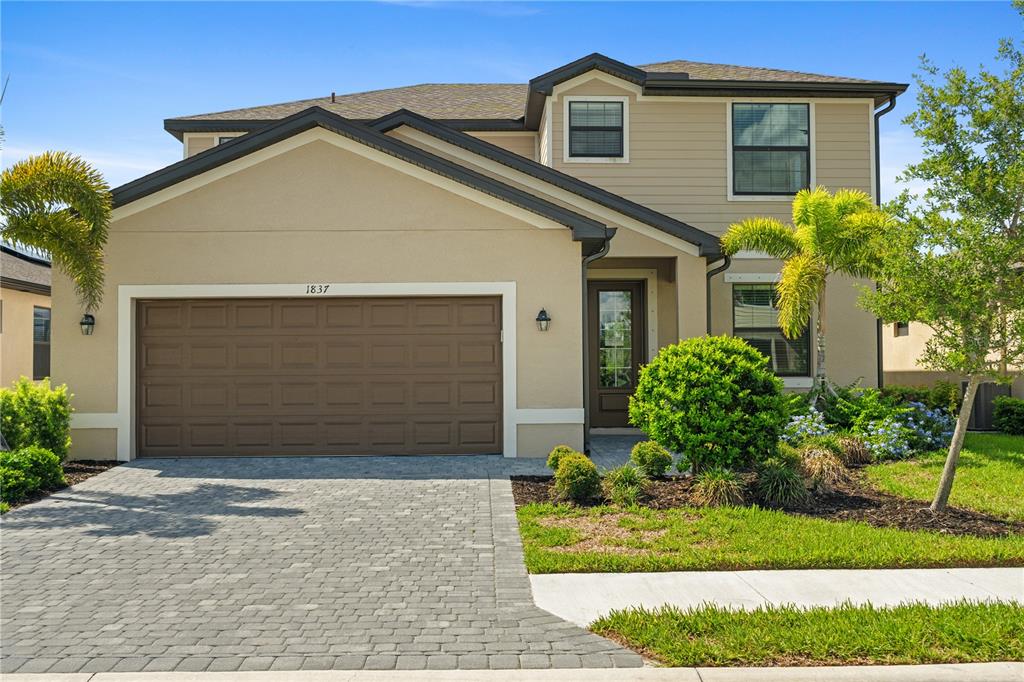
615, 311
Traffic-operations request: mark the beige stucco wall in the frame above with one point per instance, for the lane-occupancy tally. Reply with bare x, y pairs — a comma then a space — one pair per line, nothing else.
323, 214
200, 142
678, 154
850, 337
16, 333
524, 144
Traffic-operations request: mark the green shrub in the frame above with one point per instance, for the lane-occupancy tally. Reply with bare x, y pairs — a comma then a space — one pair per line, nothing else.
557, 454
4, 507
32, 413
717, 487
853, 407
576, 479
651, 458
711, 398
944, 395
831, 442
624, 485
854, 451
779, 483
28, 470
1008, 415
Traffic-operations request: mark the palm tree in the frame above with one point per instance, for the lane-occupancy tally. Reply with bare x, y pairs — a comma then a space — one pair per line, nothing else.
59, 203
830, 233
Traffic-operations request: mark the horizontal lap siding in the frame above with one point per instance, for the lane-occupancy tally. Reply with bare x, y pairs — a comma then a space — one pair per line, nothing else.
678, 150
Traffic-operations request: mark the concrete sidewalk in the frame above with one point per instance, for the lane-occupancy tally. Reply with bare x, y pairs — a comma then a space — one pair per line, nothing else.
964, 672
583, 597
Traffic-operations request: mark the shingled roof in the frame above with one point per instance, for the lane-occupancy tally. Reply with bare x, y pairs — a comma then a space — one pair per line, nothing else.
501, 106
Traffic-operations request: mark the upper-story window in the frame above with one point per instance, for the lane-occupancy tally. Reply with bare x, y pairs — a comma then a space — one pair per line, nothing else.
221, 139
597, 129
771, 148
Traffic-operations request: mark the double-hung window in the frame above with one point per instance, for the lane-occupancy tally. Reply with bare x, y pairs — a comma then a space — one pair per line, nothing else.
771, 148
755, 318
596, 129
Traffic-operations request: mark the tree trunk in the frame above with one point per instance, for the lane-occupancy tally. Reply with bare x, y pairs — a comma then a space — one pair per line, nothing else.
956, 445
820, 379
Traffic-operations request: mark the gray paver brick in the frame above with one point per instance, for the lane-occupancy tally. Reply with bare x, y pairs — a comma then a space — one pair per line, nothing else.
283, 564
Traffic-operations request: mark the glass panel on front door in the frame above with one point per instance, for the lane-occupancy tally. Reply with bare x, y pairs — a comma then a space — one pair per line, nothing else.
615, 339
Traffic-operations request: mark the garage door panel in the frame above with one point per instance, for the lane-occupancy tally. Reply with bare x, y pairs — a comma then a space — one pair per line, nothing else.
326, 376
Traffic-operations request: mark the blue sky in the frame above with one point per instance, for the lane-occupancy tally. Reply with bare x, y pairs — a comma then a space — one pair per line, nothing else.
98, 79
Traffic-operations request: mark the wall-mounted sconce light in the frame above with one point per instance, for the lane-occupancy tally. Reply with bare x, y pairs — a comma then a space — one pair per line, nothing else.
88, 323
543, 320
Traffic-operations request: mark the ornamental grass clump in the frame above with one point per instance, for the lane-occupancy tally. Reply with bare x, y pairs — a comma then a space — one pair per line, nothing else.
717, 487
624, 485
577, 479
854, 451
651, 458
712, 399
822, 468
779, 483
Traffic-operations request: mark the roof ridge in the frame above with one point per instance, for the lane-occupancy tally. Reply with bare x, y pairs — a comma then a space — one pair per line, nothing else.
773, 69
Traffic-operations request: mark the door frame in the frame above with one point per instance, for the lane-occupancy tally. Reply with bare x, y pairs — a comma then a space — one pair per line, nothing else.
647, 335
124, 419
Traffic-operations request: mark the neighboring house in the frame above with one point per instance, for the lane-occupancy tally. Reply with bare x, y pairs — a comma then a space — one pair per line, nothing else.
903, 344
24, 313
371, 273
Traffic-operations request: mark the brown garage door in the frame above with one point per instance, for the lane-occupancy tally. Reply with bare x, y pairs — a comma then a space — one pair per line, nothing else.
329, 376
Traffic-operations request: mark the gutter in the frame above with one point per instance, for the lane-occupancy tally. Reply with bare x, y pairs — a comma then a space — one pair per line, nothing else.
878, 199
587, 260
726, 262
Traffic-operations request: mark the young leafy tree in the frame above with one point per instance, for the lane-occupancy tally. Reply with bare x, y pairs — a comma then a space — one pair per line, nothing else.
59, 203
830, 233
953, 258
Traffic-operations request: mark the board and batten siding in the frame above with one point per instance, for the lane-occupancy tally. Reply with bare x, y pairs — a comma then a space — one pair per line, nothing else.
678, 155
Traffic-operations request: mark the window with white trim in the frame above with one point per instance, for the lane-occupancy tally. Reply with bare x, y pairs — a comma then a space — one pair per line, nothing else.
771, 148
755, 319
596, 129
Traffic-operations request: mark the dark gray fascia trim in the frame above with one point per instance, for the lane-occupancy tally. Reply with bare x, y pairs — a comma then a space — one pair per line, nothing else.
669, 85
178, 127
707, 243
24, 256
543, 85
582, 227
22, 285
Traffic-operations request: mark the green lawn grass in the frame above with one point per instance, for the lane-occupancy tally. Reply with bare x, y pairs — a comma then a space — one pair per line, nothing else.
562, 539
989, 476
860, 635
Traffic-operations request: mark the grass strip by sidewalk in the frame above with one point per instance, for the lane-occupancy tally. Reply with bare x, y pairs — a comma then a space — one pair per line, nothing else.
989, 476
962, 632
562, 539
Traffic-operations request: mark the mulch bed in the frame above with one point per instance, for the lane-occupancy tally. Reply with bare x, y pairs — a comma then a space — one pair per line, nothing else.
852, 501
74, 472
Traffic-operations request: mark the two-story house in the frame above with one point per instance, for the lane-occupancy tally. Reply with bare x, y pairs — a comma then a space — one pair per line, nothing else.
455, 268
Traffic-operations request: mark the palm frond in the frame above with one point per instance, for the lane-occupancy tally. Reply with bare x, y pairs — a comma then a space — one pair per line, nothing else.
767, 235
852, 247
59, 203
848, 202
800, 285
813, 207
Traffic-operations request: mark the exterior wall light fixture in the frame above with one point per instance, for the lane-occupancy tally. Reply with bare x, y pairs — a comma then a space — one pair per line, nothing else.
543, 320
88, 323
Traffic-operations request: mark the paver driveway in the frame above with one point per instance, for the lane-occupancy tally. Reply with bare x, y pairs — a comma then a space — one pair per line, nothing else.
281, 564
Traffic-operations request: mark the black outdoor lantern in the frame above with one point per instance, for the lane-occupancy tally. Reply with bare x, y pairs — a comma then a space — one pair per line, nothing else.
87, 324
543, 320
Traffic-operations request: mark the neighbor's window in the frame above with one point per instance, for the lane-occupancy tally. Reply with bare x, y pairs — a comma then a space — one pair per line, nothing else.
595, 129
225, 138
40, 342
755, 318
771, 151
901, 329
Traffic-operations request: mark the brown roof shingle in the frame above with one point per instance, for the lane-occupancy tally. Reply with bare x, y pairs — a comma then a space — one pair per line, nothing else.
452, 101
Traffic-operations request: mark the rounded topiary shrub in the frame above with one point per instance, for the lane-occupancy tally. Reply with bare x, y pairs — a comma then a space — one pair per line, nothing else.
33, 413
713, 399
556, 455
577, 479
28, 470
651, 458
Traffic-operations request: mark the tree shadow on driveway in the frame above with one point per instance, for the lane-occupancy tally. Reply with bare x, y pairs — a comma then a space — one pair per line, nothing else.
178, 514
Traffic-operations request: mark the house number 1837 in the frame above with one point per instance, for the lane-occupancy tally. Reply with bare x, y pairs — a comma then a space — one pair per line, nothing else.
317, 288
